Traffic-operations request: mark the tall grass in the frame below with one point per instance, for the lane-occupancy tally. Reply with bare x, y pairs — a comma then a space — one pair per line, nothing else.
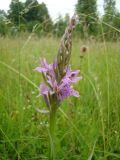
87, 128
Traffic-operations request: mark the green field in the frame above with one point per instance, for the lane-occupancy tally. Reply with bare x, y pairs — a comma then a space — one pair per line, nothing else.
87, 128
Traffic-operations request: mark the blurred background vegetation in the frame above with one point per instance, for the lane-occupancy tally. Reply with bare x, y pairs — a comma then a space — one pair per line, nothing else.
32, 16
87, 128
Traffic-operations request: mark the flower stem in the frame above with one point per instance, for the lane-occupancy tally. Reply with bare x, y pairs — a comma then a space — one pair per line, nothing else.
52, 134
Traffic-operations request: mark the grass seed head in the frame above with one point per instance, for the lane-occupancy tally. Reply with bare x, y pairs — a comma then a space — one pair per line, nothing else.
83, 51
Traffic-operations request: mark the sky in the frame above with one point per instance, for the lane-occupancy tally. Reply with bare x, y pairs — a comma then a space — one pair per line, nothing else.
57, 7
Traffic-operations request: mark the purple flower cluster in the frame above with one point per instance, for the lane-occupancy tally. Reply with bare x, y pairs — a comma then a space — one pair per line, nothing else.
51, 87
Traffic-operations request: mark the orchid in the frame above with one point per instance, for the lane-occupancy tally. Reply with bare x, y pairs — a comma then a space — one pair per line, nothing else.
58, 80
62, 89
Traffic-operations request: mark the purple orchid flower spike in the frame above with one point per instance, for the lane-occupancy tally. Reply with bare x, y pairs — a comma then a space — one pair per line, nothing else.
58, 79
51, 87
58, 76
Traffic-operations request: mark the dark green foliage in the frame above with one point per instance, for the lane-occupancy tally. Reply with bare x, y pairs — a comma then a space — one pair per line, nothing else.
43, 14
3, 29
87, 13
3, 26
112, 18
29, 14
30, 25
36, 11
2, 15
37, 14
14, 13
109, 7
31, 8
116, 20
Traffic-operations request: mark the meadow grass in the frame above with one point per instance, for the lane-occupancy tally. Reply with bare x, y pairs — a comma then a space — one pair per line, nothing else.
88, 128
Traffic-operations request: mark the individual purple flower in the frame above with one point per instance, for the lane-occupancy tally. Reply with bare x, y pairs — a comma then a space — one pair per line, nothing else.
71, 76
44, 89
46, 68
66, 90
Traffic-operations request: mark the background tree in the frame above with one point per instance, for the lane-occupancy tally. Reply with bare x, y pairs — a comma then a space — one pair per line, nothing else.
31, 10
87, 13
37, 14
3, 26
116, 23
26, 15
14, 13
3, 15
109, 8
111, 17
44, 18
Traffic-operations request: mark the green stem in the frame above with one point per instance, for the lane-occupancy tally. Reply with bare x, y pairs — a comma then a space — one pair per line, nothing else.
52, 134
